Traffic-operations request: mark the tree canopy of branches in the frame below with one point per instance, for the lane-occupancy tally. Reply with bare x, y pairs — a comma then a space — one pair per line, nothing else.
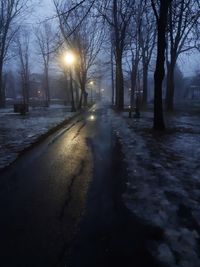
45, 41
9, 12
85, 40
148, 42
161, 14
182, 18
23, 45
118, 14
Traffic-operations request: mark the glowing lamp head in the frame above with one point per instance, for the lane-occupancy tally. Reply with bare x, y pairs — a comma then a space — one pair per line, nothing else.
69, 58
91, 83
92, 118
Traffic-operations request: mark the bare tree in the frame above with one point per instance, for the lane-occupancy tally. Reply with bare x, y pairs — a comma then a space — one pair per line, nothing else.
148, 42
118, 14
135, 49
23, 44
85, 40
45, 40
183, 15
9, 12
161, 14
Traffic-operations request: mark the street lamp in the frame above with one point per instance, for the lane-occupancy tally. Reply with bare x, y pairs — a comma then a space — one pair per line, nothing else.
91, 85
69, 59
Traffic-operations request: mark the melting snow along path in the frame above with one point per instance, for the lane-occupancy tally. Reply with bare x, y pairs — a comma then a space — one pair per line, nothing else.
18, 132
164, 182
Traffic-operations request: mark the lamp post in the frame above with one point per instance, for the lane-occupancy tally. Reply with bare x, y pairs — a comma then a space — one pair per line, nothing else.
91, 85
69, 60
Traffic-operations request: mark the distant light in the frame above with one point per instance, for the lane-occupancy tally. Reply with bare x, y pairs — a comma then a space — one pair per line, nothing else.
102, 90
92, 118
39, 92
91, 83
129, 89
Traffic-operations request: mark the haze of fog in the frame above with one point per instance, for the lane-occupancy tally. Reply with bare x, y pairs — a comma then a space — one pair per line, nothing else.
189, 64
45, 10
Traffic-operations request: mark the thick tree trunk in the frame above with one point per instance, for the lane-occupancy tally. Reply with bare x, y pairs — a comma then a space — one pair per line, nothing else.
170, 88
83, 96
119, 83
160, 65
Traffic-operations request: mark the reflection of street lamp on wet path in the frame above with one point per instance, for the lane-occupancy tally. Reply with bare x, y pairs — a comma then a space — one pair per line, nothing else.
69, 60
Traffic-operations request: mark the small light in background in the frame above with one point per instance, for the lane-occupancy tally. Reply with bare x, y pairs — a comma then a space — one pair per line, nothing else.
92, 118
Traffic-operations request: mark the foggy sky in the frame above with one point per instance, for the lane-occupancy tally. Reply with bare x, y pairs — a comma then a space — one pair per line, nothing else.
188, 63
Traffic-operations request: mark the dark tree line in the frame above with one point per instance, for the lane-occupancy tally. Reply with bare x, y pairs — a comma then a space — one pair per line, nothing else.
137, 36
137, 30
10, 10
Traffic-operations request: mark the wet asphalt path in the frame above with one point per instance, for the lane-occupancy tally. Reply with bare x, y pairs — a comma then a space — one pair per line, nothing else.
61, 202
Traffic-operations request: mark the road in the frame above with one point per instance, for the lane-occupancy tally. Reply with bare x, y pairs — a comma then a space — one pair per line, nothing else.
61, 202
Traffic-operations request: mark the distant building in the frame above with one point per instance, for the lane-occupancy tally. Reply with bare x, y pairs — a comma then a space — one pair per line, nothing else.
192, 90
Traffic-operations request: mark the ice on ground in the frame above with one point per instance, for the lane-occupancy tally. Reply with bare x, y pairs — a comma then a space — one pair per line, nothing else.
18, 132
164, 182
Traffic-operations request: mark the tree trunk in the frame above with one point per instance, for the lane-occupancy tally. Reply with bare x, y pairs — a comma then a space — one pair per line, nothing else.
47, 93
170, 88
133, 86
2, 89
160, 65
85, 99
119, 83
77, 96
24, 94
145, 85
80, 100
73, 109
112, 78
84, 94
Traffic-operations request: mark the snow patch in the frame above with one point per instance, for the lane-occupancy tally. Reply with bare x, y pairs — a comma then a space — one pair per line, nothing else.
163, 185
